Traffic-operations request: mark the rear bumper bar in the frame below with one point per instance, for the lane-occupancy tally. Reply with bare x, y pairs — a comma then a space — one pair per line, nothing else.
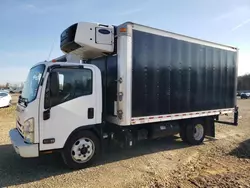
236, 118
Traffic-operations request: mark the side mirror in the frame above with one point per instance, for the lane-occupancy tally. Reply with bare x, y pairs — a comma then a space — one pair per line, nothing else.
52, 89
54, 84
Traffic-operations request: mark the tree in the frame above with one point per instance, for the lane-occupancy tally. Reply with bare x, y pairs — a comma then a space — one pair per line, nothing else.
7, 85
243, 82
21, 85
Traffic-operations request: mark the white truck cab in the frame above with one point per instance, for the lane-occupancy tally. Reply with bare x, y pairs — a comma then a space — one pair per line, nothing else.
39, 112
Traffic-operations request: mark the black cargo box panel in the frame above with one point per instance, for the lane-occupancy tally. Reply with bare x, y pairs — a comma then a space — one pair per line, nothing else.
175, 76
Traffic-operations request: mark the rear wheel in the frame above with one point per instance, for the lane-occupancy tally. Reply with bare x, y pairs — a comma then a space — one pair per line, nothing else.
195, 132
81, 150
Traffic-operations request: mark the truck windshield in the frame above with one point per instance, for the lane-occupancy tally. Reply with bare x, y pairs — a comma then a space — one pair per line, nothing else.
32, 82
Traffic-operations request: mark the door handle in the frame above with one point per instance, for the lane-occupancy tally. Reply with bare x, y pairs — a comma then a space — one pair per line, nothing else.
46, 114
90, 113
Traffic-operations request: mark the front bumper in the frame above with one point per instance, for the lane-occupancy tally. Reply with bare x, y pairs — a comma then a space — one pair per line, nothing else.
23, 149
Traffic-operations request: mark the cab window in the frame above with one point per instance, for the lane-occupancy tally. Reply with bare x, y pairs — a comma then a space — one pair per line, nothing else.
67, 84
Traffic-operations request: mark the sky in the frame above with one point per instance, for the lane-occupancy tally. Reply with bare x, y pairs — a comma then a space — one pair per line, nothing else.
30, 29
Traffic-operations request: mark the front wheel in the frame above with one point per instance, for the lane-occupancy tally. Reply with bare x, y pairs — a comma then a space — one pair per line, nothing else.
195, 132
81, 150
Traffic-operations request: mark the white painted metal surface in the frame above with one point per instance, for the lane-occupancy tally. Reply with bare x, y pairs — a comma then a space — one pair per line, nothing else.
93, 43
124, 83
73, 58
70, 115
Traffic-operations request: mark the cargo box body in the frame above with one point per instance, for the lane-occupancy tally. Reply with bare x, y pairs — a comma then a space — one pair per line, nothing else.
174, 76
165, 76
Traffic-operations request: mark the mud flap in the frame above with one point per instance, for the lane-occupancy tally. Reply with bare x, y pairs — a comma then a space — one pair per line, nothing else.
209, 127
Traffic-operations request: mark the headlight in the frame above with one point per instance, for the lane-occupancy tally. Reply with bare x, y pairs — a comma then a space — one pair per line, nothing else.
28, 130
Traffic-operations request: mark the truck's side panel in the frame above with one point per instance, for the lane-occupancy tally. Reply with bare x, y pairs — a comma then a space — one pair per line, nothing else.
174, 76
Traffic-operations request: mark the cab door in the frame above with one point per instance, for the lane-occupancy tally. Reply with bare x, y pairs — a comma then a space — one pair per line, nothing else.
69, 101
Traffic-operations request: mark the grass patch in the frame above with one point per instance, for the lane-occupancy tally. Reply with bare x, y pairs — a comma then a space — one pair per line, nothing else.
7, 112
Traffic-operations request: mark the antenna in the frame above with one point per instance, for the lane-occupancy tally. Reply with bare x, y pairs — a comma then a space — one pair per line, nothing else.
51, 49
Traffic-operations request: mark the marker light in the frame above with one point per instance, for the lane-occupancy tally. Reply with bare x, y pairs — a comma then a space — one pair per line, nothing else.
123, 29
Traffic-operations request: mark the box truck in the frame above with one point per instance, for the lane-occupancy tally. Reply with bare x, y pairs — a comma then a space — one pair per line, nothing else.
119, 85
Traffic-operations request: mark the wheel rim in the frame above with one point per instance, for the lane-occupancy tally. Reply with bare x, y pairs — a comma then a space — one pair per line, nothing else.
198, 132
83, 150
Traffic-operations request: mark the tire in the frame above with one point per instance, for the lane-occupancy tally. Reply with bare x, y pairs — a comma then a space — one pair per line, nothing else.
81, 150
183, 133
195, 132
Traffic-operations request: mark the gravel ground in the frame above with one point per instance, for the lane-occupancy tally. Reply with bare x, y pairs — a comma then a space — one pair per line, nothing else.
220, 162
